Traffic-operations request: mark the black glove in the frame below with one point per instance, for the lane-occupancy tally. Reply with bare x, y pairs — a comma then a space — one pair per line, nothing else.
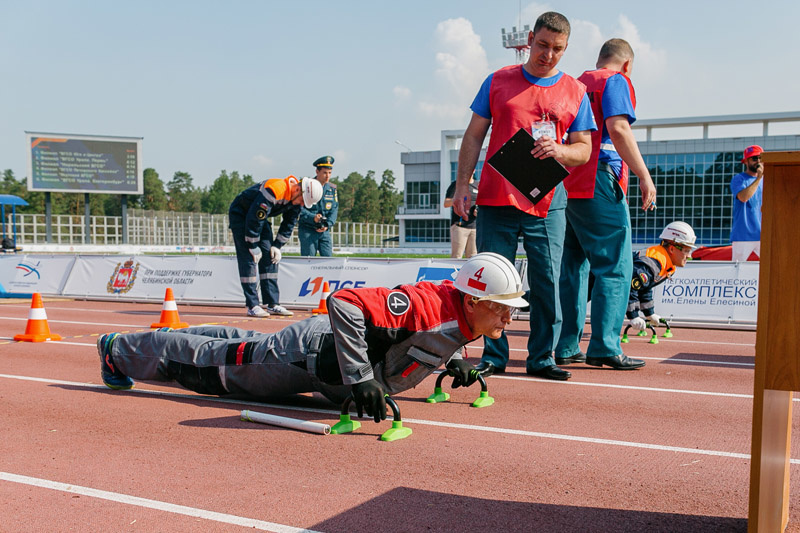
464, 374
369, 397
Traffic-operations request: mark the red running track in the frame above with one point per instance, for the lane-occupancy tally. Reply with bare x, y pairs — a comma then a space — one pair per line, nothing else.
665, 448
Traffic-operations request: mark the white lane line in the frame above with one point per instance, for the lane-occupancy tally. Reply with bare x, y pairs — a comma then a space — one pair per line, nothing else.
697, 361
188, 310
136, 326
51, 321
673, 340
152, 504
712, 342
437, 423
670, 359
626, 387
749, 365
528, 379
183, 308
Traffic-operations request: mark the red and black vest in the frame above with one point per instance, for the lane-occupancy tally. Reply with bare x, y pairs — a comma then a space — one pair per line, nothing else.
517, 103
580, 183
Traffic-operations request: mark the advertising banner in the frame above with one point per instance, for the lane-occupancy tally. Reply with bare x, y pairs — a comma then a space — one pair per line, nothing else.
710, 291
28, 273
302, 279
207, 278
703, 291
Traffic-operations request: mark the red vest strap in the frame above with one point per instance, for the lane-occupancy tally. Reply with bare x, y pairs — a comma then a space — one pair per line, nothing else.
581, 181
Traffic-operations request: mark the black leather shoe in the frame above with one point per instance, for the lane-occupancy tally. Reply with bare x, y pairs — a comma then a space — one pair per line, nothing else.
579, 357
551, 372
486, 369
618, 362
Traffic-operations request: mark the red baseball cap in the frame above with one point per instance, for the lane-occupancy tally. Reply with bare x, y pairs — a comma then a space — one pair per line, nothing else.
752, 151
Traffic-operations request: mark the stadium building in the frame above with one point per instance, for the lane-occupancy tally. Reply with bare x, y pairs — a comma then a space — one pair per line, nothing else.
690, 159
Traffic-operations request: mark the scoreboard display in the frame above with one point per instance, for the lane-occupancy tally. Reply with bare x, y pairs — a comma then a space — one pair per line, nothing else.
84, 163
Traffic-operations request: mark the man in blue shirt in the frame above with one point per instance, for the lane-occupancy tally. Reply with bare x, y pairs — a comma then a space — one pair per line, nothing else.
598, 234
552, 106
746, 188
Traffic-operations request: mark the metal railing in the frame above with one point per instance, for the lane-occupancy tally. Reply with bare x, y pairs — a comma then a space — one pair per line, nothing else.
148, 228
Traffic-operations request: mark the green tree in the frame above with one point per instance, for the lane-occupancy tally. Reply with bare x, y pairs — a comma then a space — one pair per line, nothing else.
367, 207
390, 198
347, 194
11, 185
154, 197
246, 181
218, 197
183, 195
111, 205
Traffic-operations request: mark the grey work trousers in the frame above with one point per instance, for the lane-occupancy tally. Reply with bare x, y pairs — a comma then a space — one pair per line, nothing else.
224, 360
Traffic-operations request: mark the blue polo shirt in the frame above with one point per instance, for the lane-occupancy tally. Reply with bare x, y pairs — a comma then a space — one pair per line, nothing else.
746, 215
616, 102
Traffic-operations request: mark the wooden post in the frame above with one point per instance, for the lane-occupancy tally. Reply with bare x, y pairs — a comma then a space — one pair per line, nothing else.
777, 370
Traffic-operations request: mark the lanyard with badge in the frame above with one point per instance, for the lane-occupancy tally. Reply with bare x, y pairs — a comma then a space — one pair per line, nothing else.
544, 127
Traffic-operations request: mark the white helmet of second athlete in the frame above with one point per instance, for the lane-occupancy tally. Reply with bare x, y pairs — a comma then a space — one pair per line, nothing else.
679, 233
312, 192
490, 276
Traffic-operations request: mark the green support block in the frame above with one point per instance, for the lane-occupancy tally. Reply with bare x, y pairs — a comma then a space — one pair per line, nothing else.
345, 425
667, 334
654, 339
438, 396
396, 432
624, 339
641, 333
484, 400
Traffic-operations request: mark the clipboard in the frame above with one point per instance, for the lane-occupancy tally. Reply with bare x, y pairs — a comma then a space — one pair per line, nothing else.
533, 177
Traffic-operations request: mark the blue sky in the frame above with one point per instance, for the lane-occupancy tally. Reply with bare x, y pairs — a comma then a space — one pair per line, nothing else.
266, 87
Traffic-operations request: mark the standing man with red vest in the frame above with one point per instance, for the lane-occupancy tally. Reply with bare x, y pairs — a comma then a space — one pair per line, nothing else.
552, 106
598, 234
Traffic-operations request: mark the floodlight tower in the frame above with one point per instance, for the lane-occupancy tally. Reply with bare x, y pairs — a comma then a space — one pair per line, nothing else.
518, 40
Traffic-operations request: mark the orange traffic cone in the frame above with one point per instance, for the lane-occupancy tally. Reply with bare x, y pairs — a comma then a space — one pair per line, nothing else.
323, 301
169, 314
37, 329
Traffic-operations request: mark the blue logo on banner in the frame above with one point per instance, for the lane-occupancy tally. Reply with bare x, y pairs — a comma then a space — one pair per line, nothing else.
311, 286
436, 273
29, 269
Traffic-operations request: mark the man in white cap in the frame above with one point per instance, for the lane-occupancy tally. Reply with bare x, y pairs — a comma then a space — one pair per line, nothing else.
253, 236
373, 342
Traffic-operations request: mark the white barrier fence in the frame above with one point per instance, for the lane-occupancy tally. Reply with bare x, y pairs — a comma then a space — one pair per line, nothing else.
175, 230
714, 292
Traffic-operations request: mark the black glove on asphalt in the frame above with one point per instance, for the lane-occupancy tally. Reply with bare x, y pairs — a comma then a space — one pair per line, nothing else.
368, 396
464, 374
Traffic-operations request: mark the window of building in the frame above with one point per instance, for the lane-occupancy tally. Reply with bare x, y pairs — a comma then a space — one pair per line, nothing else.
454, 170
693, 188
422, 195
435, 231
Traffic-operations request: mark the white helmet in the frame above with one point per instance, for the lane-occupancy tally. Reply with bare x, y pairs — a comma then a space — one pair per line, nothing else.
679, 233
490, 276
312, 191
